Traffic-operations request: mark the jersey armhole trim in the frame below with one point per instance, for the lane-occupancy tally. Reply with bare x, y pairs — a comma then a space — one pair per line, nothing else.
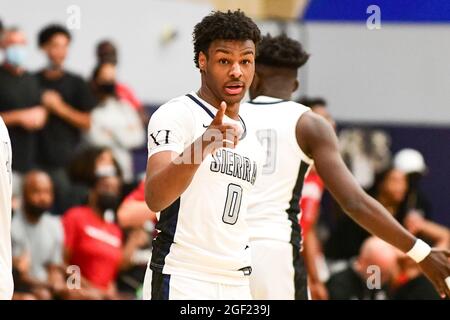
303, 155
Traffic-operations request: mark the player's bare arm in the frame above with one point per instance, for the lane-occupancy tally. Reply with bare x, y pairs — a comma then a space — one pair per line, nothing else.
169, 174
317, 138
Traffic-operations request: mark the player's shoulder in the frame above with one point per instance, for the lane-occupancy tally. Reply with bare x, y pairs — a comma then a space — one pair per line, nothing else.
179, 106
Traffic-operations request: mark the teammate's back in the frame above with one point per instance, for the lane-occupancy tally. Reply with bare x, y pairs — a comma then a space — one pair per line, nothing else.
274, 201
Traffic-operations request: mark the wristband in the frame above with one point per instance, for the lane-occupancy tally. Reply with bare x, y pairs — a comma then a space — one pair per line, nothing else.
419, 251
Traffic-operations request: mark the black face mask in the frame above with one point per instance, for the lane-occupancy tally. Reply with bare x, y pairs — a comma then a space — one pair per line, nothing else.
107, 88
107, 201
35, 210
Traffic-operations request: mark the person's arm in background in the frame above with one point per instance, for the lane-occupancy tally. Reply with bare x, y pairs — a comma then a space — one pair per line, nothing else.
310, 204
134, 213
418, 225
317, 138
137, 238
311, 253
32, 118
54, 103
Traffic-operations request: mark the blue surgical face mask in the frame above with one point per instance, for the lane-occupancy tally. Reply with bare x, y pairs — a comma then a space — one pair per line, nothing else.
16, 55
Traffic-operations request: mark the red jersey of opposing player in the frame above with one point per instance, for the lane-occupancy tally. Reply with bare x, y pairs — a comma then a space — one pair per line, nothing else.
310, 201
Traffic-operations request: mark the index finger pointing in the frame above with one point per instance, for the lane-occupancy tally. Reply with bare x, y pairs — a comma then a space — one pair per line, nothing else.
218, 119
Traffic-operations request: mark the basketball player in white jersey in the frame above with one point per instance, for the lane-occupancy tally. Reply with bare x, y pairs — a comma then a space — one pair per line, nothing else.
201, 168
6, 281
293, 137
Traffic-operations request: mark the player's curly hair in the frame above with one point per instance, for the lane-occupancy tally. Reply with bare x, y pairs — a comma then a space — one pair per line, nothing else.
230, 25
281, 51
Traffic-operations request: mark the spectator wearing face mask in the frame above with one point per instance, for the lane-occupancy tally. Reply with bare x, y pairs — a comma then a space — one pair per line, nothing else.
82, 171
106, 52
19, 104
93, 240
37, 241
114, 124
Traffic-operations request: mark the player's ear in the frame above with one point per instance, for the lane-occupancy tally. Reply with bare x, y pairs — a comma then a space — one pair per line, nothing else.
296, 85
201, 61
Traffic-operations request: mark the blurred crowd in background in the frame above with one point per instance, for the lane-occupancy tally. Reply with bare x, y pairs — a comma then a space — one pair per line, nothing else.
81, 228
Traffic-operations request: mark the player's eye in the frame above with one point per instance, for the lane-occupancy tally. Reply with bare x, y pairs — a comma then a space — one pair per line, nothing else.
223, 61
246, 61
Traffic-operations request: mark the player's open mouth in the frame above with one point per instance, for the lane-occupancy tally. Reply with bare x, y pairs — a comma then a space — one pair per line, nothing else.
234, 89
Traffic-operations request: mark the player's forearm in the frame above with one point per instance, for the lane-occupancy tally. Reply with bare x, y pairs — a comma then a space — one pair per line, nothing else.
163, 188
169, 175
373, 217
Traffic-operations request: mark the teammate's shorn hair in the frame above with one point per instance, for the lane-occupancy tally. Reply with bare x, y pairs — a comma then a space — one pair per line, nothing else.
281, 51
223, 26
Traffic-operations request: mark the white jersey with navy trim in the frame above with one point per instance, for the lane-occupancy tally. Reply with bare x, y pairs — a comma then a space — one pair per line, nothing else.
6, 281
273, 210
204, 233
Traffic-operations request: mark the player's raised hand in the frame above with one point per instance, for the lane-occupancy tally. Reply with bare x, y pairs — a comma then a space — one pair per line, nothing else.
218, 119
436, 267
220, 134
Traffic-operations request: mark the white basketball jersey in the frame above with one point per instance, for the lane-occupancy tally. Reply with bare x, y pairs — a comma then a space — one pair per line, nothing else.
273, 211
204, 233
6, 281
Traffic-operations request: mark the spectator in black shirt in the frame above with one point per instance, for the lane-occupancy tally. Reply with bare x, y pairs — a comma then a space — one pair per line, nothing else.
69, 101
19, 104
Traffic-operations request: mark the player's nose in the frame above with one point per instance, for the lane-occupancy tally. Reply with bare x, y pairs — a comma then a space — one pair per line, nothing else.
236, 71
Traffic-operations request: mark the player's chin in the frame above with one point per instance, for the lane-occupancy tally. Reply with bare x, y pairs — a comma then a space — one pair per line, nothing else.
233, 98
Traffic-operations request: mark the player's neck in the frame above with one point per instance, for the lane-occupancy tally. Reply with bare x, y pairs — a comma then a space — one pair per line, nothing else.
232, 110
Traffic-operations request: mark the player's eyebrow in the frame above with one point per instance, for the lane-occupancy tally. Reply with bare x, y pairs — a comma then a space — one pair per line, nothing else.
248, 51
223, 50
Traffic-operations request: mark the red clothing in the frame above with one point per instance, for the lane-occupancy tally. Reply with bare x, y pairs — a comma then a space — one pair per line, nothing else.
94, 245
124, 93
310, 202
137, 194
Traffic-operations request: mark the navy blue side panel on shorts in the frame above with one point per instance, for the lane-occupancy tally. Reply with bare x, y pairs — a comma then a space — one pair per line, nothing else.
160, 286
166, 225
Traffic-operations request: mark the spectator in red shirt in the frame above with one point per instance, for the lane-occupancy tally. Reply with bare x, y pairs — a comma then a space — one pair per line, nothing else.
93, 241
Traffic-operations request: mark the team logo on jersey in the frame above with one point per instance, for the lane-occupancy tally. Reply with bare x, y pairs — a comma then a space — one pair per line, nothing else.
160, 137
